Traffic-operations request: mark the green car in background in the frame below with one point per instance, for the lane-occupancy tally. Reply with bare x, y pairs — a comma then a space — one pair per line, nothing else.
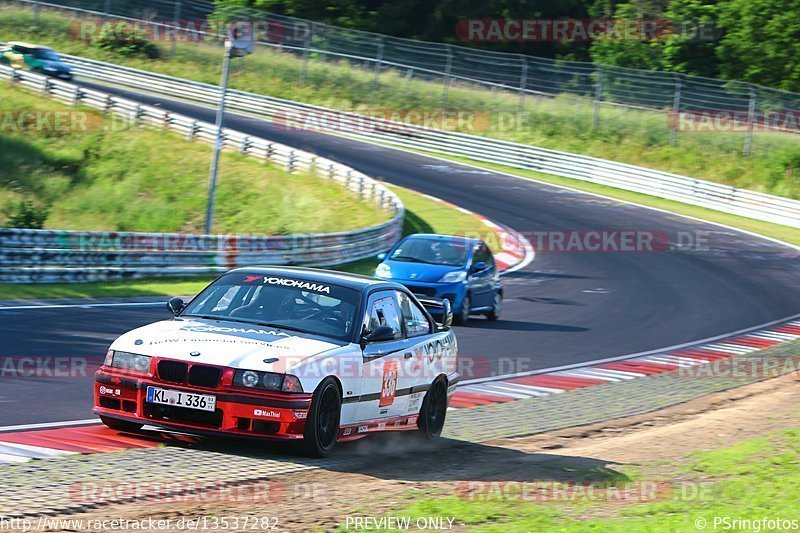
36, 58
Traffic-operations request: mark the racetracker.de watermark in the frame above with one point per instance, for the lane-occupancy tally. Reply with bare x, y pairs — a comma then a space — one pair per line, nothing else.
196, 491
47, 367
384, 120
583, 491
57, 121
601, 240
572, 30
190, 30
742, 121
742, 367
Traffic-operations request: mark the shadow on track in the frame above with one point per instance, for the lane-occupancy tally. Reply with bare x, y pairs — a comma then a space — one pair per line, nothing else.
404, 456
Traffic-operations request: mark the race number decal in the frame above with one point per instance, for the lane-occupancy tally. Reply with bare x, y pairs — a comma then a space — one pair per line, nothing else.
389, 384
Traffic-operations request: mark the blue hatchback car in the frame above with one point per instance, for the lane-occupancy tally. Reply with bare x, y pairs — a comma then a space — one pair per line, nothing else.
458, 269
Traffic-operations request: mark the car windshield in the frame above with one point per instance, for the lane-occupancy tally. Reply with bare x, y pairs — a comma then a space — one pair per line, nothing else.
292, 303
45, 53
431, 251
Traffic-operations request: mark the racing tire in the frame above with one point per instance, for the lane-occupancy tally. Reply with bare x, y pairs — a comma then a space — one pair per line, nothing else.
497, 307
120, 425
433, 411
322, 424
463, 314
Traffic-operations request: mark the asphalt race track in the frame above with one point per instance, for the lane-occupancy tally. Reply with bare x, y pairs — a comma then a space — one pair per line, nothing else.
565, 307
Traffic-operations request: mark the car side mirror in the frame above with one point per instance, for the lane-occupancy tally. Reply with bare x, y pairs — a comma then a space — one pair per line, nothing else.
382, 256
447, 314
379, 334
175, 305
479, 266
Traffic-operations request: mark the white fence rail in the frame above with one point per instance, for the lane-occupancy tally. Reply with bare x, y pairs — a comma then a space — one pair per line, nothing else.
290, 114
57, 256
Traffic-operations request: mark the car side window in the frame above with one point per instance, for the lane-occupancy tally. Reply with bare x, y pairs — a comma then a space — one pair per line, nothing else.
384, 312
482, 255
414, 319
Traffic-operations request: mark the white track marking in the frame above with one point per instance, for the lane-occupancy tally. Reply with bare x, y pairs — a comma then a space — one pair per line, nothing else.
72, 306
46, 425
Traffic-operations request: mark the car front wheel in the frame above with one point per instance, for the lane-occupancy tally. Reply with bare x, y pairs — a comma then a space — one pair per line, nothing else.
322, 424
497, 307
433, 411
463, 315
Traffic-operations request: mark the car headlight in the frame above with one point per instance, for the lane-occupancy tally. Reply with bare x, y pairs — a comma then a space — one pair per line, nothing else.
457, 276
266, 381
383, 271
249, 379
128, 361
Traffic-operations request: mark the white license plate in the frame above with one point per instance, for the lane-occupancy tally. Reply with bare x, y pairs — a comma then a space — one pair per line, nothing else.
201, 402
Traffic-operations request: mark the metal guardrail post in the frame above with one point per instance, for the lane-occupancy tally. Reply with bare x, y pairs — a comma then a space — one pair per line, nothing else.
76, 96
177, 19
447, 69
523, 83
192, 130
751, 118
378, 67
676, 111
306, 52
598, 97
290, 162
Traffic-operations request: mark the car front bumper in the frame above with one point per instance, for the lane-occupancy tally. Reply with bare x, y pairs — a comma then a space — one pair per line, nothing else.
443, 291
242, 413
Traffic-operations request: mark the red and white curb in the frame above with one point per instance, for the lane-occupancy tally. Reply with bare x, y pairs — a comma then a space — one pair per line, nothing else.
491, 391
515, 250
42, 441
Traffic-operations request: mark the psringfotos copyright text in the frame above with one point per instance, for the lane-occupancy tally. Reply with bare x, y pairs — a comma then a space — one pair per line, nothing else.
730, 523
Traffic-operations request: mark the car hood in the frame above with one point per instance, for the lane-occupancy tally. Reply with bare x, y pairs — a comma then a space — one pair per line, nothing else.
406, 271
223, 343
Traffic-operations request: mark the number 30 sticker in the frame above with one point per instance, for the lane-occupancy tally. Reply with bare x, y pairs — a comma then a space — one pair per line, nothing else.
389, 385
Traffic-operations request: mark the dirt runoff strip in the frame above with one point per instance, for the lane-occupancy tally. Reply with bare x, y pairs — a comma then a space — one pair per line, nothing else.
82, 483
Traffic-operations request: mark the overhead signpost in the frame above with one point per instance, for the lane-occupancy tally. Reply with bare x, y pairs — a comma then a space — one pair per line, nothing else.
239, 43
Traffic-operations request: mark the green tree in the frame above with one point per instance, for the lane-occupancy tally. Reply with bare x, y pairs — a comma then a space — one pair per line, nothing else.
761, 42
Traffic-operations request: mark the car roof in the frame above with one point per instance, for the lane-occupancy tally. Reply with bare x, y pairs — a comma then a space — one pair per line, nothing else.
342, 279
449, 238
27, 45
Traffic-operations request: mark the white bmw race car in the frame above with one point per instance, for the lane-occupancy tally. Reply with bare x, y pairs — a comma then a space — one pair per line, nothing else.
285, 354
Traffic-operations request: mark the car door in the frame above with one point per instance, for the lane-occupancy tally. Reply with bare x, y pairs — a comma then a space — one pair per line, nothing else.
17, 56
416, 371
382, 361
481, 281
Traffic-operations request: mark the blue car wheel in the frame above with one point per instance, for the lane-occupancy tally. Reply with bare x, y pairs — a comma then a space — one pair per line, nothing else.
463, 315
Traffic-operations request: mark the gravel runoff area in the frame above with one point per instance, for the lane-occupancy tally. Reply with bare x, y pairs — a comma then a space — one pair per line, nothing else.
53, 486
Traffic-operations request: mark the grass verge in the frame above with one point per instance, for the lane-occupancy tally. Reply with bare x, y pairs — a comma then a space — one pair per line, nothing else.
563, 123
751, 480
93, 173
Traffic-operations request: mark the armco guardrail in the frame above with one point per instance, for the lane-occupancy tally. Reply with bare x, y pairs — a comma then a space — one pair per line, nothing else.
53, 256
685, 189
